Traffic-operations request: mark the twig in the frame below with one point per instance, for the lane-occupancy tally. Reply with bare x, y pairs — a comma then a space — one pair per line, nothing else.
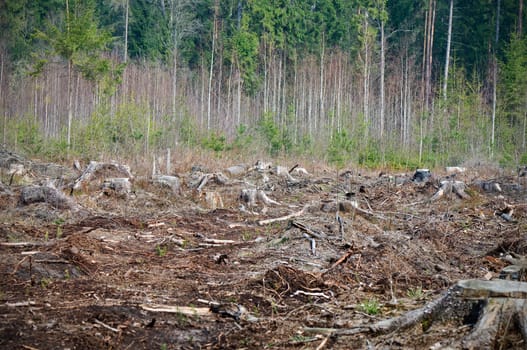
341, 259
311, 294
25, 244
321, 346
21, 303
106, 326
29, 347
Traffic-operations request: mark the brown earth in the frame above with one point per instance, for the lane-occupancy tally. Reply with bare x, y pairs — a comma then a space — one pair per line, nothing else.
155, 268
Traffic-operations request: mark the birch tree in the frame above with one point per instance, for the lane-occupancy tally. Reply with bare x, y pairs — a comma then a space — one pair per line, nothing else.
447, 59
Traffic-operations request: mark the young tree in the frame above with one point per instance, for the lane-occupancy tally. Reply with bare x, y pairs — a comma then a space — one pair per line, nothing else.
183, 24
81, 43
514, 87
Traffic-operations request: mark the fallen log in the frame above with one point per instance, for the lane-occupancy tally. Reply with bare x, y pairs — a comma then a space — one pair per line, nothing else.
284, 218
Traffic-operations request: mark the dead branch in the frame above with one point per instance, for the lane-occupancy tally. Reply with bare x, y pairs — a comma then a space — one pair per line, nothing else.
341, 259
25, 244
106, 326
284, 218
184, 310
308, 230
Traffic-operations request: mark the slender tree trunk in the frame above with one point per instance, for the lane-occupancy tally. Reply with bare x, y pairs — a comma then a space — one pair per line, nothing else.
2, 99
366, 78
321, 91
70, 102
447, 60
230, 102
382, 121
495, 79
174, 80
430, 52
265, 79
239, 98
126, 18
424, 65
339, 91
211, 71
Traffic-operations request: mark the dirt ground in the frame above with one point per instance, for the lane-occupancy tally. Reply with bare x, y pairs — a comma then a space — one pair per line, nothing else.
194, 266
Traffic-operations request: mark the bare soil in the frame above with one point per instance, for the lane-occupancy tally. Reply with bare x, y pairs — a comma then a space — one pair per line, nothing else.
162, 269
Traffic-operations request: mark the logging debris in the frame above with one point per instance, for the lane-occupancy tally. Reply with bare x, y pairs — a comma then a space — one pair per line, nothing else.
340, 260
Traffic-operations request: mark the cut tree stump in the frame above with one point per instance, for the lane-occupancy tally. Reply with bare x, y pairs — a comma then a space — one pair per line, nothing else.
102, 168
47, 194
496, 309
447, 187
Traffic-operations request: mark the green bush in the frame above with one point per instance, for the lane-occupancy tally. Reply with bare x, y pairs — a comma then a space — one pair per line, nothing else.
277, 139
340, 148
214, 142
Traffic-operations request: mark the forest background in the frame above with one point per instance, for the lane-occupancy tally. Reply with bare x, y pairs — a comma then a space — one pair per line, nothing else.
373, 83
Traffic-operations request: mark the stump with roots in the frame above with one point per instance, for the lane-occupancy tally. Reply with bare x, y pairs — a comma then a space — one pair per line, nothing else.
496, 312
498, 307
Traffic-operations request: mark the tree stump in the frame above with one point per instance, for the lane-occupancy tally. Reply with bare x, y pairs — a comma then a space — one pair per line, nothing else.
50, 195
499, 306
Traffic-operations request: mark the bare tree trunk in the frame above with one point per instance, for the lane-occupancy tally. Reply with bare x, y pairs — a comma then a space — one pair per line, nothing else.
495, 79
70, 98
126, 18
239, 97
209, 97
339, 92
430, 52
2, 99
382, 81
321, 91
447, 60
174, 80
266, 81
310, 107
366, 77
202, 95
407, 101
230, 101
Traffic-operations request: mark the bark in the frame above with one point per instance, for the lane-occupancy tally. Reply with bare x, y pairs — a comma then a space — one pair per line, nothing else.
495, 79
447, 60
493, 303
126, 18
382, 121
